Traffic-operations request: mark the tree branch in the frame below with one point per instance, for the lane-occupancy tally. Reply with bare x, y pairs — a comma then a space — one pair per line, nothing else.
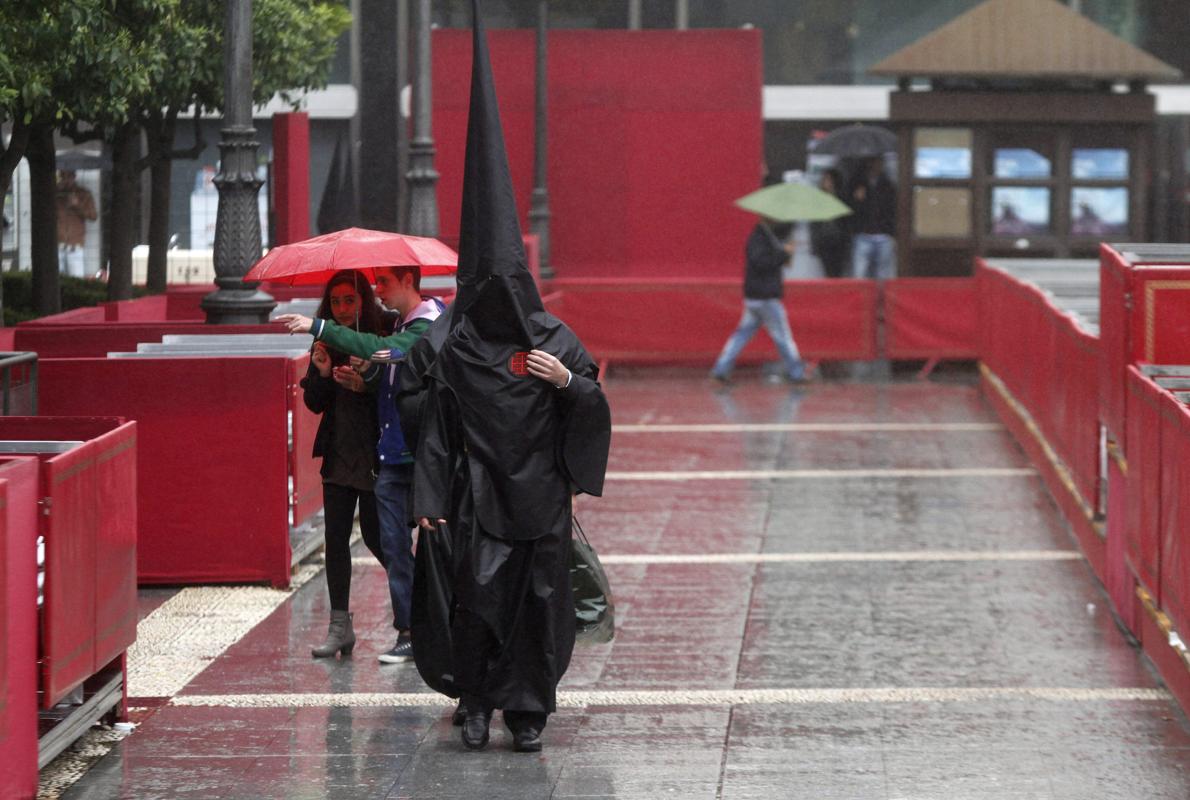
71, 129
200, 144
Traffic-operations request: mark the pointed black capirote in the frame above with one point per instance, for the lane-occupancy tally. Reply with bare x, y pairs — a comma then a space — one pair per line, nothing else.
330, 213
495, 289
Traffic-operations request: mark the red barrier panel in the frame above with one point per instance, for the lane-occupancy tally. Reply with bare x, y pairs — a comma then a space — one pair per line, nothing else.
1115, 304
75, 316
930, 318
213, 457
144, 309
1043, 380
1174, 532
96, 341
18, 627
89, 526
1143, 503
1118, 577
643, 322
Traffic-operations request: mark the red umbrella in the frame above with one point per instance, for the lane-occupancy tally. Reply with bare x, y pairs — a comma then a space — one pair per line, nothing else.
314, 261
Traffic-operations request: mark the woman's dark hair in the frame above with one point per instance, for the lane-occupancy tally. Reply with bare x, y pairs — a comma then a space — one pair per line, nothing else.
369, 312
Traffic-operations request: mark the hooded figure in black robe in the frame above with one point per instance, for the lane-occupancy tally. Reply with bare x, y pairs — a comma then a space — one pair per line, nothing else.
501, 451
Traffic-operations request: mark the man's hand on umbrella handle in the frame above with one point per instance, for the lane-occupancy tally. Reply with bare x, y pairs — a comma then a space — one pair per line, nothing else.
296, 323
358, 364
425, 523
542, 365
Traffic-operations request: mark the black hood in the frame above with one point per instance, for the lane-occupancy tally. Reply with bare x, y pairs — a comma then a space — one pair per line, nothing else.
496, 292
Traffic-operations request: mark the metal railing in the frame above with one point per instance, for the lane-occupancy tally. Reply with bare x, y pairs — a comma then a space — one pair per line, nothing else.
27, 381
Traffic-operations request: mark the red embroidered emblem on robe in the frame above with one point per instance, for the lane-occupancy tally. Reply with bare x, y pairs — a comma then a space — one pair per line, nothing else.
517, 365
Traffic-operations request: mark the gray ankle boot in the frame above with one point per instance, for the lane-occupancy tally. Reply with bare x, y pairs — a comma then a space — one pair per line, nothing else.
340, 637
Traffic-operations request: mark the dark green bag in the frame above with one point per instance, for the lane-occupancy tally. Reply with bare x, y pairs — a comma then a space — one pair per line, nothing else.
594, 611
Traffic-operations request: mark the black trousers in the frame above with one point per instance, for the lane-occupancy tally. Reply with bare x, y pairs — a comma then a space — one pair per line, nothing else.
338, 504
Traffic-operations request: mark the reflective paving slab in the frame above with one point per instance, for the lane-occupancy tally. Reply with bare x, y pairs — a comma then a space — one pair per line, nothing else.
855, 591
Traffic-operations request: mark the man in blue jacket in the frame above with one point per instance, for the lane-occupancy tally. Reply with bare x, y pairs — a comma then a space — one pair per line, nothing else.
399, 288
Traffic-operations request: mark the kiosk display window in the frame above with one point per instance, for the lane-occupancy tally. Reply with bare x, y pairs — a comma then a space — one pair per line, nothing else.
942, 153
1020, 210
1098, 211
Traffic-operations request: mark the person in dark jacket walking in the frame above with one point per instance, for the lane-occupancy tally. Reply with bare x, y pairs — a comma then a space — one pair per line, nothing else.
346, 442
765, 255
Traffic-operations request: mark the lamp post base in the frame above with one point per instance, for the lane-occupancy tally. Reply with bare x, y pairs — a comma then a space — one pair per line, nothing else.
237, 303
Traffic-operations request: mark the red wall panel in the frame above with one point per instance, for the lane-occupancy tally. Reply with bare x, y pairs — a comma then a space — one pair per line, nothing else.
291, 176
642, 173
679, 321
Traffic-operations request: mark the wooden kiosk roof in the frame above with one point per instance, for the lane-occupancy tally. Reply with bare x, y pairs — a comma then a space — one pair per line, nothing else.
1041, 39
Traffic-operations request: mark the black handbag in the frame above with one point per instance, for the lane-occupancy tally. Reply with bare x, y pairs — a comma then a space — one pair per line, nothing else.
594, 611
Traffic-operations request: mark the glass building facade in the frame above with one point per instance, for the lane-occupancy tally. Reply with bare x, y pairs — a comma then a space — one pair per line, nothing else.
831, 41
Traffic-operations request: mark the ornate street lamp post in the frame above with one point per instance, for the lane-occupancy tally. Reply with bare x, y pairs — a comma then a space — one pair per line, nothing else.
422, 177
237, 223
539, 203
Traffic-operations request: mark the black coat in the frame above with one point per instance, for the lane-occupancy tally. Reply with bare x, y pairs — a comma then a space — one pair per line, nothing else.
764, 259
319, 393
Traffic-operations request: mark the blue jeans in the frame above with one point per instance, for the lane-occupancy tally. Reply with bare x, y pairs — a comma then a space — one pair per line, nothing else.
770, 314
396, 537
873, 256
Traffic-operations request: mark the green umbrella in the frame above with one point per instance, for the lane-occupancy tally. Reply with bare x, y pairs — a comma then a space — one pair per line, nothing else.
793, 202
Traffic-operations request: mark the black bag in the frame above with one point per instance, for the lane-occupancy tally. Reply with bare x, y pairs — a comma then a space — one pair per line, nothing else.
594, 611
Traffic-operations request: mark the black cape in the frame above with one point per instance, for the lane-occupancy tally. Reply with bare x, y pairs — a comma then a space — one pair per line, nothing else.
499, 454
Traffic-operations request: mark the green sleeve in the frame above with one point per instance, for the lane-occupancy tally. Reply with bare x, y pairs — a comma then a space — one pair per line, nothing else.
345, 340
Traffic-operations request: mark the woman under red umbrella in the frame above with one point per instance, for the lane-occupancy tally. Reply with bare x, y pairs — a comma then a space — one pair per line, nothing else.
335, 388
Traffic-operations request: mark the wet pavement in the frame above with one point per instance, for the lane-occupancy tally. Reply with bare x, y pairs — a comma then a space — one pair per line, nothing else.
879, 601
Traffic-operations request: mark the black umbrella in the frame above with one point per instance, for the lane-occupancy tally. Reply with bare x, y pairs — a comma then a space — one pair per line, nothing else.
857, 141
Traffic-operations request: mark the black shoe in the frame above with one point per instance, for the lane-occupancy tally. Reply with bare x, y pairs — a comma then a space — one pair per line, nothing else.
527, 740
459, 716
475, 729
525, 729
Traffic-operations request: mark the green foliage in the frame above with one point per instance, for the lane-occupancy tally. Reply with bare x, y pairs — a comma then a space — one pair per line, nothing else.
76, 293
88, 60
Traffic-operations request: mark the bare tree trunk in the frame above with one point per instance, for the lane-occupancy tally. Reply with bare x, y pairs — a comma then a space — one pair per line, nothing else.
123, 212
47, 291
158, 269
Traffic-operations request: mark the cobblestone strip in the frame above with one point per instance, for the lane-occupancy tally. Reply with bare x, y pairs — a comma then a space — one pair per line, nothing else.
706, 697
190, 630
820, 474
812, 427
896, 556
